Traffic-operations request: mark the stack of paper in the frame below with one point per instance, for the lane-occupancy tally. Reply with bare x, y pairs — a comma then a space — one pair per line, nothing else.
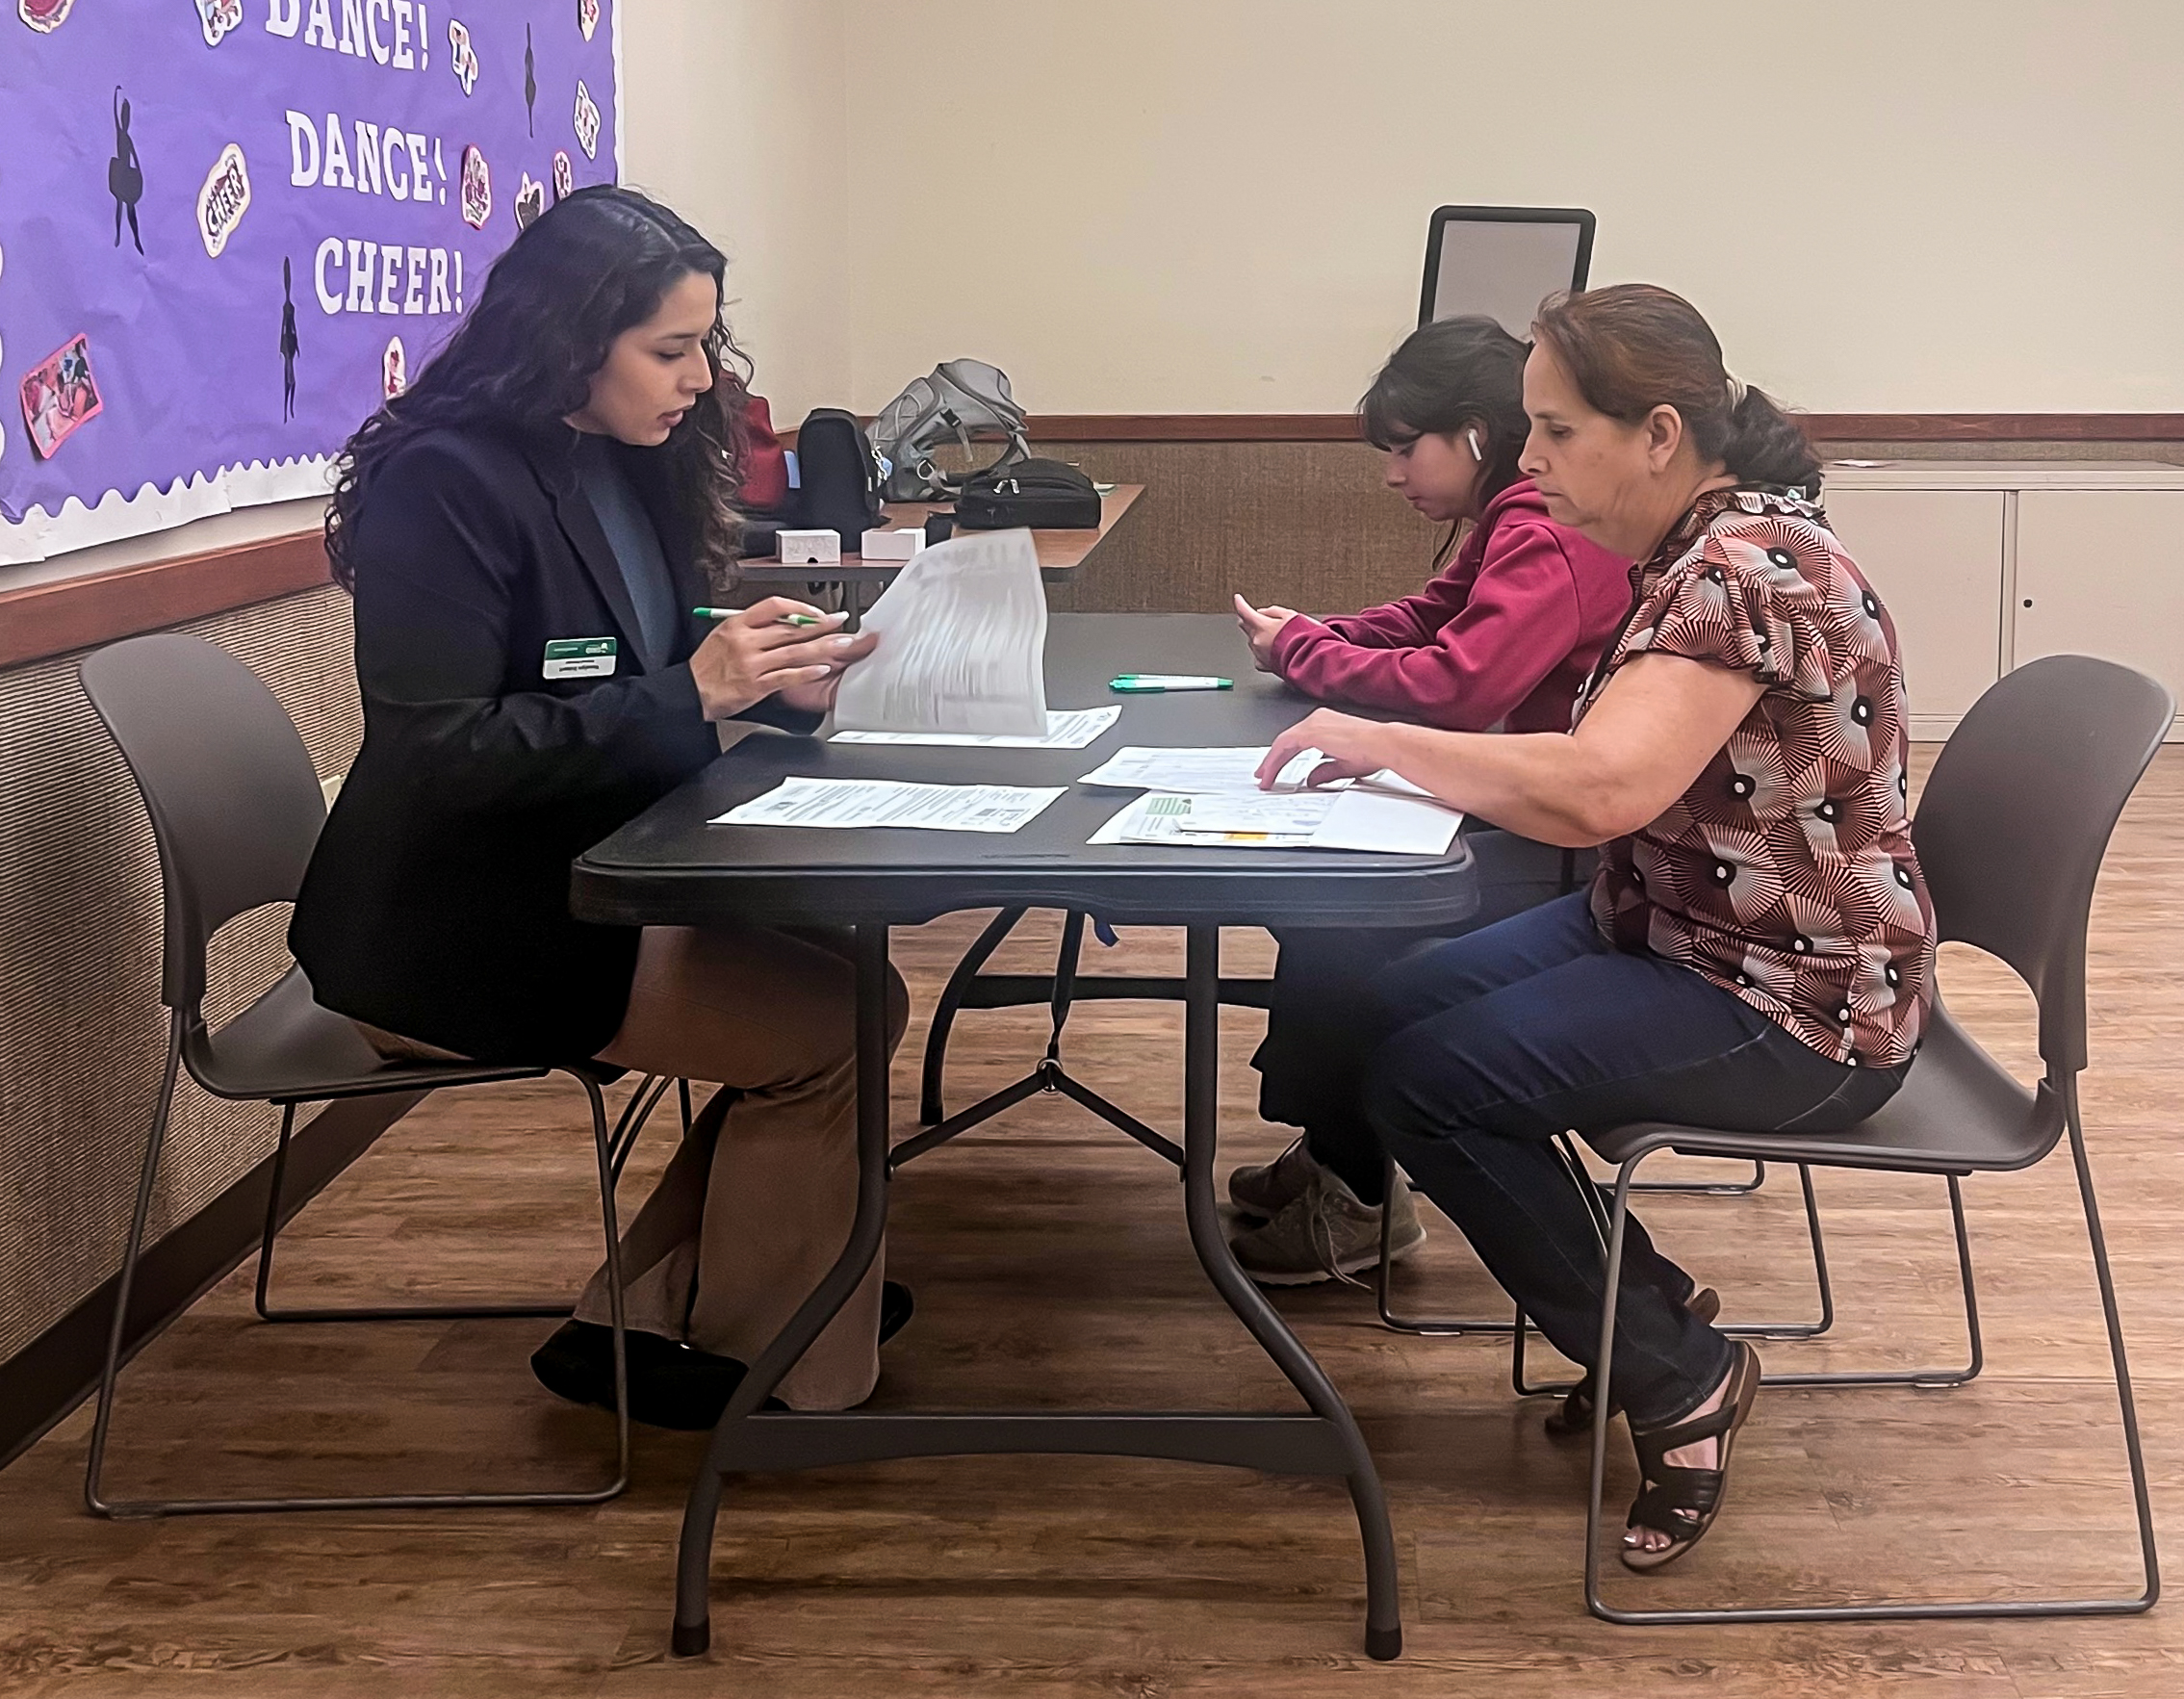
1066, 729
891, 802
963, 644
1353, 819
1212, 796
1188, 771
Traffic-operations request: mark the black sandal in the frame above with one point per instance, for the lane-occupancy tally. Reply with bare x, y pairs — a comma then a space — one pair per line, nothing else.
1682, 1502
1572, 1418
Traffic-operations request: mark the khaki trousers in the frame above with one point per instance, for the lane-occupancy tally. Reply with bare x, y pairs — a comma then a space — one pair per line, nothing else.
758, 1204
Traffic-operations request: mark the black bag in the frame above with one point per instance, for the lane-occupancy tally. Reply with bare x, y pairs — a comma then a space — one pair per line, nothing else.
1047, 494
838, 478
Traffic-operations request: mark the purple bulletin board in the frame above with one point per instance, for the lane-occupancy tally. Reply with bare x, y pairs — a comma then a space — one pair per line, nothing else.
228, 228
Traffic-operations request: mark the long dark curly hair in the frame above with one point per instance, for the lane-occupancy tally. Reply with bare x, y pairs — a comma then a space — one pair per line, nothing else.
583, 272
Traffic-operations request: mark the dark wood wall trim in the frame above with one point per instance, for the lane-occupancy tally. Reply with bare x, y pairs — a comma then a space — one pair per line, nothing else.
1833, 427
58, 1369
1194, 428
38, 620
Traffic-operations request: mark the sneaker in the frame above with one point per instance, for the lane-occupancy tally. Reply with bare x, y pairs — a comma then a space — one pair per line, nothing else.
1325, 1233
1268, 1189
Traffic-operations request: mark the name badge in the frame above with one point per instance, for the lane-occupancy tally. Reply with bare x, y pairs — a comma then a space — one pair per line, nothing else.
579, 657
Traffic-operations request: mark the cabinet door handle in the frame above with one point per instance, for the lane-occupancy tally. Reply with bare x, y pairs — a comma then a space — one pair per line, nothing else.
2028, 601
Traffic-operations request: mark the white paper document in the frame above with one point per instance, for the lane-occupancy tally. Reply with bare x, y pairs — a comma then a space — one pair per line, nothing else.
1204, 772
1066, 729
1282, 813
963, 644
893, 802
1191, 771
1159, 816
1354, 819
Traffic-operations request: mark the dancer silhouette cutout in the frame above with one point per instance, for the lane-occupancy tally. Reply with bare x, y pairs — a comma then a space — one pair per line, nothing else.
125, 173
290, 346
530, 85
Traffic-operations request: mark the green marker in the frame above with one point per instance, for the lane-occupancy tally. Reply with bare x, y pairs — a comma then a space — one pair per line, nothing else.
1147, 684
786, 619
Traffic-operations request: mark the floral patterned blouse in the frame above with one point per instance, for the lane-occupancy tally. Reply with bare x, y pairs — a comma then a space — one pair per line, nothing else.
1786, 873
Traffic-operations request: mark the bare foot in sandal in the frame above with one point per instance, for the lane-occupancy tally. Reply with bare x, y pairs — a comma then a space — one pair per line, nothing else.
1685, 1468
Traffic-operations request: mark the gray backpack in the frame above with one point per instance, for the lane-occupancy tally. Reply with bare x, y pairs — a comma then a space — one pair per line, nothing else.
962, 401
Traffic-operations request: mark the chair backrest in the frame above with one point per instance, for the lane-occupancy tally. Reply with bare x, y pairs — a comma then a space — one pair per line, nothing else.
2016, 815
235, 803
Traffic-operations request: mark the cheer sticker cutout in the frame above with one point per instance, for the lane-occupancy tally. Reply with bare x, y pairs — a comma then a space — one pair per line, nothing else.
44, 15
394, 368
588, 122
476, 189
462, 56
60, 395
531, 200
219, 16
564, 177
587, 16
223, 199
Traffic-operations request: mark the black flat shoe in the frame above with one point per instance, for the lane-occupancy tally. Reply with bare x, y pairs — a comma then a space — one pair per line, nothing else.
1682, 1502
896, 1307
671, 1385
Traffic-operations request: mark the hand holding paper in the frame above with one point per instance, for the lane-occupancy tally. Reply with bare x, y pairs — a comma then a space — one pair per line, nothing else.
962, 648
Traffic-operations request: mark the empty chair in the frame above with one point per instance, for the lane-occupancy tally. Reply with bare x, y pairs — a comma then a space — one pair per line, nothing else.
236, 809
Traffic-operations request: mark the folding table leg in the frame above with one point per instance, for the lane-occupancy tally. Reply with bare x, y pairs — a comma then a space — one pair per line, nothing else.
1209, 1238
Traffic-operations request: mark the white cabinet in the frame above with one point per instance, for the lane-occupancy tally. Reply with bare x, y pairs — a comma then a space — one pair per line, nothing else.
1984, 565
2102, 573
1935, 559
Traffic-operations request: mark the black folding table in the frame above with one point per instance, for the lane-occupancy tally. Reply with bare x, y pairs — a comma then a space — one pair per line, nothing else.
670, 867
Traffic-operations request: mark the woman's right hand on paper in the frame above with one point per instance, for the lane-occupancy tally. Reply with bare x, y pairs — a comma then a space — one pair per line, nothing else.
753, 654
1261, 626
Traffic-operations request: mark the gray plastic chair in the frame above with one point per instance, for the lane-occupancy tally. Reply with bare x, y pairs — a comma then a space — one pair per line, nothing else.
2011, 831
236, 809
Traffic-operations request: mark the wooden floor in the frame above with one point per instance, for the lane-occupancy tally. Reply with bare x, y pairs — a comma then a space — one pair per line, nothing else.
1051, 1268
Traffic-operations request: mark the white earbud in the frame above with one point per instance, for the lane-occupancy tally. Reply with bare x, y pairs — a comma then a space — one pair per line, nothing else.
1476, 452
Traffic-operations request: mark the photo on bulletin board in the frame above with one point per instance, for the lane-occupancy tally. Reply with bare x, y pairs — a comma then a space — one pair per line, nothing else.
229, 229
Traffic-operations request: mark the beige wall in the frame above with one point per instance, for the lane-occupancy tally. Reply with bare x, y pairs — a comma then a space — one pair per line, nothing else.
732, 114
1219, 205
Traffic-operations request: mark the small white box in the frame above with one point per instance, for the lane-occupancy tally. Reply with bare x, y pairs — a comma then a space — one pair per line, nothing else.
893, 545
808, 547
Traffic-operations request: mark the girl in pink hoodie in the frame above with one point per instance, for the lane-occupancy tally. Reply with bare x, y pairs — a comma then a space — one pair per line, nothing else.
1503, 636
1500, 639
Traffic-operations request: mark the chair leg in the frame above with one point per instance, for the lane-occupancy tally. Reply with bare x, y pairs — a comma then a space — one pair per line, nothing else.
1710, 1187
2127, 1403
620, 1143
636, 1111
1448, 1327
1927, 1377
93, 1496
148, 1176
1958, 1608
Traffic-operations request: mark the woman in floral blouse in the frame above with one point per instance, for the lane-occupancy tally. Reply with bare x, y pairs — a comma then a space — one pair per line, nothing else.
1756, 951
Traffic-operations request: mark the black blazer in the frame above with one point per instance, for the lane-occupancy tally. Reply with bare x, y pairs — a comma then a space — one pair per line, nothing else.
437, 903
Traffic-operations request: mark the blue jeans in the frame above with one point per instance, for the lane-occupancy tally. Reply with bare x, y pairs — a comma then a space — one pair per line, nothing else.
1502, 1040
1322, 1024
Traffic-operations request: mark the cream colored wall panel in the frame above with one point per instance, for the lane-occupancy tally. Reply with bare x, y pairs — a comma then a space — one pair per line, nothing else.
2101, 572
1935, 559
732, 115
1142, 206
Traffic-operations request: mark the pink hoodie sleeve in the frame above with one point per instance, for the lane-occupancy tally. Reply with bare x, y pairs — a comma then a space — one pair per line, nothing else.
1520, 622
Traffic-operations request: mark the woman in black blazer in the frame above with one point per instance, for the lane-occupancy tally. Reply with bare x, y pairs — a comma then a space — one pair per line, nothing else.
524, 533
